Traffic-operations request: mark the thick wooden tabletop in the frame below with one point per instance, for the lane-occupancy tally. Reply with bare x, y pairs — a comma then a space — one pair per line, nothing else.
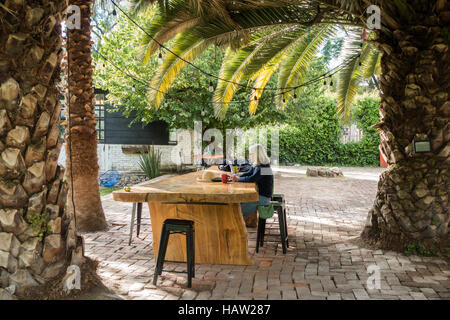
186, 188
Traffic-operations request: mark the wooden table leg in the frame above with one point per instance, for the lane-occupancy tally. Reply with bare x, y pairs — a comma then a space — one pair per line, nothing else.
220, 232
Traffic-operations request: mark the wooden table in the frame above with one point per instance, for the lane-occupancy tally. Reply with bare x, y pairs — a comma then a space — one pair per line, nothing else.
220, 232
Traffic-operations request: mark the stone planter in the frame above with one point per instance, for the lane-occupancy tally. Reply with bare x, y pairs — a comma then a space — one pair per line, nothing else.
324, 172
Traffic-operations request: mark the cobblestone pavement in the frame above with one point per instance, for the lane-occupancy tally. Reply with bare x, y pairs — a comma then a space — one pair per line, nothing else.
325, 217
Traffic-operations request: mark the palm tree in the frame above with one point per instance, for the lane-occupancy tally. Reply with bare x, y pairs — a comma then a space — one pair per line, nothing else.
38, 236
81, 146
271, 40
412, 200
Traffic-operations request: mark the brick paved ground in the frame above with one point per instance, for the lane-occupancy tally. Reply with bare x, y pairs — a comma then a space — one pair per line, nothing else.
324, 261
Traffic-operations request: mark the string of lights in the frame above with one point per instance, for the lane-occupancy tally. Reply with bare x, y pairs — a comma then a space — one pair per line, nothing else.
324, 76
211, 87
145, 82
329, 74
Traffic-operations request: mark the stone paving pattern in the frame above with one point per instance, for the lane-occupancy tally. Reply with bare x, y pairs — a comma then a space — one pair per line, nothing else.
324, 260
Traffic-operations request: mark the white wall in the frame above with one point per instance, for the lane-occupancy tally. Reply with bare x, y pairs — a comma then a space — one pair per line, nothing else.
111, 156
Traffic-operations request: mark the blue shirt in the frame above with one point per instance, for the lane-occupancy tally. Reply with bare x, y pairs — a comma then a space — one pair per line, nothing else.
263, 177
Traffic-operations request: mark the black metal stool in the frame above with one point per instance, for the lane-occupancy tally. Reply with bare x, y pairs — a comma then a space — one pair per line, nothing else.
173, 226
279, 205
279, 197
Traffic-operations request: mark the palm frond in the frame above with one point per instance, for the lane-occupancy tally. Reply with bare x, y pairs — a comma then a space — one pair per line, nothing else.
264, 38
373, 63
166, 31
2, 6
185, 46
352, 74
245, 62
164, 24
296, 65
261, 78
188, 46
138, 6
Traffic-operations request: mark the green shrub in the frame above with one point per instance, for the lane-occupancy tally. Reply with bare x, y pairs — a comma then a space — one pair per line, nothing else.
419, 249
313, 139
150, 162
364, 152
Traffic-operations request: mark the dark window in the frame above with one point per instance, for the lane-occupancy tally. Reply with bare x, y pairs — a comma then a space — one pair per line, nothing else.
100, 112
173, 139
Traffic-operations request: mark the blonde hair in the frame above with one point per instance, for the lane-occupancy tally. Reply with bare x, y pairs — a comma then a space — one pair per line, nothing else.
261, 154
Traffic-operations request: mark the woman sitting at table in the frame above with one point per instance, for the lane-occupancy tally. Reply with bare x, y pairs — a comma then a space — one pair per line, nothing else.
262, 175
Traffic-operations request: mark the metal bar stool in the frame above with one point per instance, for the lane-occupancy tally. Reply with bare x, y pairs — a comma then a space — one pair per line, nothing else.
279, 197
173, 226
279, 207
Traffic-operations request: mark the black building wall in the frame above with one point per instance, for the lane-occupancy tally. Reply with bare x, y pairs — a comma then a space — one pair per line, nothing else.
117, 130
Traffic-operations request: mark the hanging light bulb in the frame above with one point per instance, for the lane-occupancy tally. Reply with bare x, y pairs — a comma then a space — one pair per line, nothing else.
211, 87
114, 12
331, 83
133, 88
243, 114
203, 113
364, 35
165, 104
160, 57
325, 83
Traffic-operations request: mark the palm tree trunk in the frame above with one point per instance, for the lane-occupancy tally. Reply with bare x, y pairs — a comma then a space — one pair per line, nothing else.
412, 200
37, 236
81, 146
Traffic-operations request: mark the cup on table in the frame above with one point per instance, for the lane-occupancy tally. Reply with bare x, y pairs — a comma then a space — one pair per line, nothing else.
224, 178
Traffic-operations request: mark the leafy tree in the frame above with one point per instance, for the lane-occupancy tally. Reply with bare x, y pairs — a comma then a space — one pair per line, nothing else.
188, 100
